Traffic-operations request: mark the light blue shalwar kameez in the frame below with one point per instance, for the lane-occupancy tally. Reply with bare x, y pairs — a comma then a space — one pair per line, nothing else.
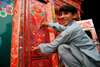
75, 48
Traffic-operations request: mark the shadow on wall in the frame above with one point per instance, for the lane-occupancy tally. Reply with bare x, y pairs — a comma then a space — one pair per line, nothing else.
5, 48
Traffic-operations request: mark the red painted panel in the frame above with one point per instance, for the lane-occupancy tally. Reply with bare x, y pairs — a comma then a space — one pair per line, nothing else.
36, 36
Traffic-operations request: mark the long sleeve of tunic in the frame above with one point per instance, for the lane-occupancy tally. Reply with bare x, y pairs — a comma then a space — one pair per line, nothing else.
49, 48
57, 26
64, 37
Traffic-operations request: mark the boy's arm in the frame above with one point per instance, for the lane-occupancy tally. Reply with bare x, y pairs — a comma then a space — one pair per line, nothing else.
55, 26
50, 48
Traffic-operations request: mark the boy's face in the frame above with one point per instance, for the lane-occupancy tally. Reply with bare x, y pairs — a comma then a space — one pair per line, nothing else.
67, 17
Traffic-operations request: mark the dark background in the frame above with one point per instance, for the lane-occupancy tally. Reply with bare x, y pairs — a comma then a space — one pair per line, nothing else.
91, 9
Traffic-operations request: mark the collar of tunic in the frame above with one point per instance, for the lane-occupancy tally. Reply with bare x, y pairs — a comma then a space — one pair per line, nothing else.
70, 24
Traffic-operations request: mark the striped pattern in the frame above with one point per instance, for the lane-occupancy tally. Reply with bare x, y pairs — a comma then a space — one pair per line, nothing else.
21, 36
15, 35
29, 63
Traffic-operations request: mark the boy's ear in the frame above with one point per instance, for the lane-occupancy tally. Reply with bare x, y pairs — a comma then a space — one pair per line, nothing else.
74, 15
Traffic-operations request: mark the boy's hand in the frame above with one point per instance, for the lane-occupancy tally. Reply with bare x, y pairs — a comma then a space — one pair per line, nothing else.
34, 48
45, 24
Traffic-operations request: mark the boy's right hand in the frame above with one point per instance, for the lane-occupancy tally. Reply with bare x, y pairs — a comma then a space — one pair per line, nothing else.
45, 24
34, 48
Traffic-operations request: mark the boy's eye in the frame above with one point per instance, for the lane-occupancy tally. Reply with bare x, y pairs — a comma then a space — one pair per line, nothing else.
60, 14
66, 12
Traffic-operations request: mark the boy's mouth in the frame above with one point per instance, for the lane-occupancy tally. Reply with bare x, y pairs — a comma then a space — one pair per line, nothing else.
64, 20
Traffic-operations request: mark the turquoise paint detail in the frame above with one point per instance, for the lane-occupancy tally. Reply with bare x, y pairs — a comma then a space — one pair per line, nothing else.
33, 12
42, 14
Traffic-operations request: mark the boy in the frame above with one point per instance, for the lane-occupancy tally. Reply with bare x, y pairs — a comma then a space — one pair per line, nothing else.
75, 48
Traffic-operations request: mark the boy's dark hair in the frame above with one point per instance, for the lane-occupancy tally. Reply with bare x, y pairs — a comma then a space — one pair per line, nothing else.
68, 8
